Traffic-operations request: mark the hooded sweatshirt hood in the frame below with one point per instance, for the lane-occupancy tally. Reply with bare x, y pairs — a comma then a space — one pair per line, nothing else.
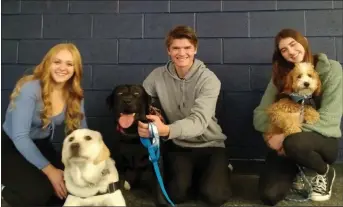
196, 67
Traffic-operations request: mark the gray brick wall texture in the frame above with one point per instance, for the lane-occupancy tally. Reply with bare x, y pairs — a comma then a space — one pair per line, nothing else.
121, 41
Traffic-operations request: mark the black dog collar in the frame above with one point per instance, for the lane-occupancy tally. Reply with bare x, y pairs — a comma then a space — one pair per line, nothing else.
112, 187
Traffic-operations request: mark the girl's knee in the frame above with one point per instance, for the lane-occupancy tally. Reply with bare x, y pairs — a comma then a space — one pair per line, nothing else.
41, 195
292, 144
36, 197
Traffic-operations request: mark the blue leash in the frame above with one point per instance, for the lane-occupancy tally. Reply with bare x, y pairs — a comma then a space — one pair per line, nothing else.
154, 155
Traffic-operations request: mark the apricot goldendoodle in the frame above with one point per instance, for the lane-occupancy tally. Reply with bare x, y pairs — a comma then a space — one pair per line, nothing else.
288, 113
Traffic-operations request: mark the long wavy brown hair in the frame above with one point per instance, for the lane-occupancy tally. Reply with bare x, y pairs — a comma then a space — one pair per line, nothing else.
281, 67
73, 92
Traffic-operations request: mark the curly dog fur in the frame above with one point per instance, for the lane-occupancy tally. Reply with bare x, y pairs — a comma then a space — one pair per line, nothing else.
285, 114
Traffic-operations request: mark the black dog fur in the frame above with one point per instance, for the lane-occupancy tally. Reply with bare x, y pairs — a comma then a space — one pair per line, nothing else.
132, 159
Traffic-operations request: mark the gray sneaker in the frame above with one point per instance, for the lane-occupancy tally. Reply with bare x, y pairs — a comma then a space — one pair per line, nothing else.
300, 189
298, 183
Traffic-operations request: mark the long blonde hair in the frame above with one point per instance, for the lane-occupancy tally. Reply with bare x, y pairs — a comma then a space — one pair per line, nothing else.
72, 89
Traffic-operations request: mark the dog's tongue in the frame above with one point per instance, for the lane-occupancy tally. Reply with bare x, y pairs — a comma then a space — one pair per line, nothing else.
126, 120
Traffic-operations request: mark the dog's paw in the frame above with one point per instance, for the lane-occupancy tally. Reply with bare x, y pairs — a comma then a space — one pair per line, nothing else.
127, 185
311, 116
311, 121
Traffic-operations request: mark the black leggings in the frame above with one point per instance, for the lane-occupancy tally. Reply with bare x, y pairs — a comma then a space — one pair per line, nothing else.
204, 170
26, 185
308, 149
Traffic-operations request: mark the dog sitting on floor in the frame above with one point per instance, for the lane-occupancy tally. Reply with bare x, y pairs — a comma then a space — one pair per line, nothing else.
129, 104
90, 174
295, 104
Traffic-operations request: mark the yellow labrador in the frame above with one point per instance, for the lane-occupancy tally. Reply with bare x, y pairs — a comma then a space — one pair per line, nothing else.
90, 174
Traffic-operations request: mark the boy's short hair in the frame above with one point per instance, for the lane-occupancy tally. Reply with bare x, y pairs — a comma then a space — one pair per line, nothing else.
180, 32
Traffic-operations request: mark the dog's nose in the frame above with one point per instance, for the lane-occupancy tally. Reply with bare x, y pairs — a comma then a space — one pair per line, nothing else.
127, 100
75, 148
306, 84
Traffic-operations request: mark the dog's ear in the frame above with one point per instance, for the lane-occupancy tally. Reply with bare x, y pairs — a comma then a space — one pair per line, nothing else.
104, 153
148, 101
109, 101
65, 150
288, 83
146, 98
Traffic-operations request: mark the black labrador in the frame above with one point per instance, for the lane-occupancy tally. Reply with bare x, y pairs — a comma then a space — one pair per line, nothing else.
130, 104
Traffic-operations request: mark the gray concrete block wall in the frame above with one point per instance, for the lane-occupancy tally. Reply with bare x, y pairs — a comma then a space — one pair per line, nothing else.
122, 41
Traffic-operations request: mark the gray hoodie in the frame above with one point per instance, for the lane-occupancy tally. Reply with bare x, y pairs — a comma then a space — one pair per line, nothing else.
188, 103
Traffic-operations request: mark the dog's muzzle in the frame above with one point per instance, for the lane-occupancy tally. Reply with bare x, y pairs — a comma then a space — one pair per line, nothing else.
75, 149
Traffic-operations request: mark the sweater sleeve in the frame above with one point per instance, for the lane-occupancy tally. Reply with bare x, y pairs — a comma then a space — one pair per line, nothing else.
201, 113
331, 105
22, 114
260, 119
84, 120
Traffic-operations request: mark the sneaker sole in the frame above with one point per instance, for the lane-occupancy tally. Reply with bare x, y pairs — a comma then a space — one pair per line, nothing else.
326, 197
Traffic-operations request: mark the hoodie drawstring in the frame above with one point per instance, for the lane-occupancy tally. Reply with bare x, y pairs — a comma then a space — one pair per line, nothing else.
183, 93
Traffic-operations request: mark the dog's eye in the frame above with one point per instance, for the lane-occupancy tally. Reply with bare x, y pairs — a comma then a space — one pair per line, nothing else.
309, 75
299, 76
88, 138
71, 139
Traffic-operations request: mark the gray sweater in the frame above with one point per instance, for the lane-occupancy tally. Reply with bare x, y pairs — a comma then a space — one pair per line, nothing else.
188, 103
23, 123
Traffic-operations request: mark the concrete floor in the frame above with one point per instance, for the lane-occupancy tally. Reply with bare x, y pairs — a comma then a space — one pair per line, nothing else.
245, 193
244, 181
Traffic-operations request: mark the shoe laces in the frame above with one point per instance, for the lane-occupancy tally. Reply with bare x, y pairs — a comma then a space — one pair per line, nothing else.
319, 183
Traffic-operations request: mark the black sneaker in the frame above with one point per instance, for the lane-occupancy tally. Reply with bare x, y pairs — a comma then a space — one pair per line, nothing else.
322, 185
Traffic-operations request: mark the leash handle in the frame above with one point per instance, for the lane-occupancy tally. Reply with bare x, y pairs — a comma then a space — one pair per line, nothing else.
153, 147
154, 134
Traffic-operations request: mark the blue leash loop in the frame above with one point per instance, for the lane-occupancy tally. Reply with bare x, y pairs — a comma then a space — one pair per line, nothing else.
153, 147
